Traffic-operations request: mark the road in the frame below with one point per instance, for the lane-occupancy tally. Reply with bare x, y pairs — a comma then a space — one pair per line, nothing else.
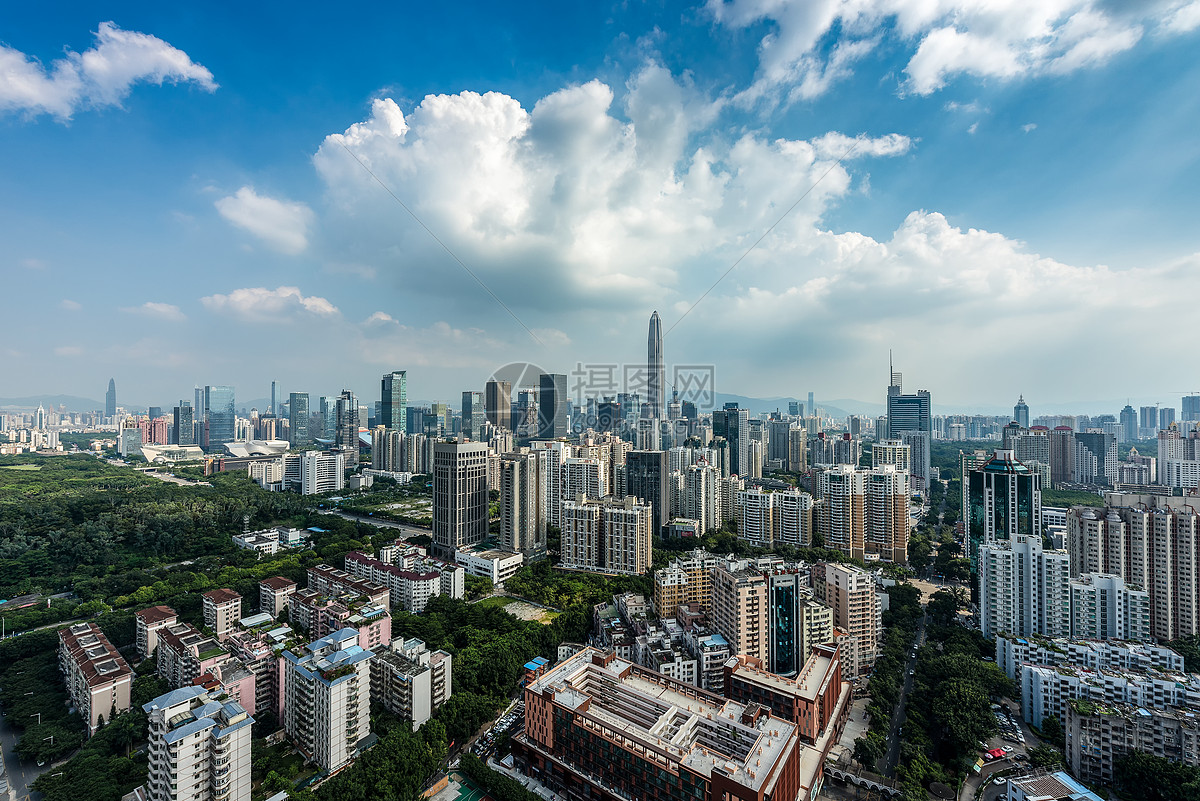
20, 773
409, 531
893, 753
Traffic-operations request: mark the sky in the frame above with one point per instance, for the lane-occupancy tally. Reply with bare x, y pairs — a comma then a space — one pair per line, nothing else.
1003, 194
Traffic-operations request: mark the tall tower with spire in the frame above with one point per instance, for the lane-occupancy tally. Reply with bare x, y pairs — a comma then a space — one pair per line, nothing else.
656, 380
110, 399
1021, 412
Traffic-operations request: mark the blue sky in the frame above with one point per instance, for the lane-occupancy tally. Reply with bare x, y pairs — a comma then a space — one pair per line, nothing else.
1016, 213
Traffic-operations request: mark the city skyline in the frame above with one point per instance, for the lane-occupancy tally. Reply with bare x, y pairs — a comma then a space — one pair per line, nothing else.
589, 166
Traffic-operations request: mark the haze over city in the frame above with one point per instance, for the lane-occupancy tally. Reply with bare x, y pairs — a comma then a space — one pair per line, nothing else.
195, 200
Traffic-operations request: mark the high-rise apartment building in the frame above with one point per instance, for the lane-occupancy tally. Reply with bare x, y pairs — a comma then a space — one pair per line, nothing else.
1128, 424
1021, 412
656, 379
199, 747
609, 535
1153, 543
147, 623
498, 402
754, 518
1103, 607
1023, 589
741, 610
219, 417
460, 496
298, 435
110, 399
733, 424
473, 415
865, 510
1190, 408
327, 698
850, 593
646, 479
393, 400
522, 504
553, 422
1004, 500
98, 678
702, 495
686, 580
222, 611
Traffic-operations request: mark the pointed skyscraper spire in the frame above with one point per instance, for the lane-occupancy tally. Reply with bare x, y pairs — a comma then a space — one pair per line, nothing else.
655, 372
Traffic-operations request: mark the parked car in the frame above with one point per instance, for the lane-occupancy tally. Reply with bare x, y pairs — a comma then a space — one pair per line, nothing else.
999, 780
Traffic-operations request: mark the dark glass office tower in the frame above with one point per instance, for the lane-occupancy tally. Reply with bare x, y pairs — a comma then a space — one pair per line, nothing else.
298, 436
219, 417
552, 406
393, 400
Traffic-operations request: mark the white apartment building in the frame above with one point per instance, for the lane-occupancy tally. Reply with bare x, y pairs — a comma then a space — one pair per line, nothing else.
1012, 651
327, 698
199, 748
1103, 607
1047, 690
410, 680
754, 517
1023, 589
522, 503
701, 492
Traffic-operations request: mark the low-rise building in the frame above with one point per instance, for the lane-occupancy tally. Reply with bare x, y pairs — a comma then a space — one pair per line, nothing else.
1046, 786
98, 678
321, 615
409, 588
817, 700
600, 727
328, 580
495, 566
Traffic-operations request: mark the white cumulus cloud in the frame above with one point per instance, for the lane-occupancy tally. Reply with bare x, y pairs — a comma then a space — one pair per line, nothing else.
102, 75
261, 304
282, 224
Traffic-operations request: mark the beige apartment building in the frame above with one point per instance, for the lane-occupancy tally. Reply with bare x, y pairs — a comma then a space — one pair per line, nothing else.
850, 593
222, 611
740, 611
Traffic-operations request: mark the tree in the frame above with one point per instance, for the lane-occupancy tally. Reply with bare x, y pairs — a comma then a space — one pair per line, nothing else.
963, 713
274, 783
1043, 756
868, 749
1052, 730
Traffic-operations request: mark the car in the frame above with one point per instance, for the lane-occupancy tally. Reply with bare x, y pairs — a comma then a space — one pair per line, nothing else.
912, 672
982, 745
999, 780
1008, 749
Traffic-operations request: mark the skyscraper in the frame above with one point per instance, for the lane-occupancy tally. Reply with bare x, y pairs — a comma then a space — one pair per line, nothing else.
656, 380
1129, 426
1191, 407
298, 435
460, 496
393, 400
552, 406
110, 399
1021, 412
646, 479
498, 400
275, 406
346, 434
183, 428
911, 415
473, 415
1004, 501
219, 417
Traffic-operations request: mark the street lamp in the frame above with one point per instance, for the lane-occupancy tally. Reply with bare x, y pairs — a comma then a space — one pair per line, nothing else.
37, 715
50, 738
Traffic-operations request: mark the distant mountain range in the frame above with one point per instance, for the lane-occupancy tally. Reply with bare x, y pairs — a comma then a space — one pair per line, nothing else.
74, 403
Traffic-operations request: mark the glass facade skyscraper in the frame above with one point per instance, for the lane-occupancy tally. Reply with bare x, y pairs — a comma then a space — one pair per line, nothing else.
219, 416
393, 400
552, 406
298, 435
1004, 500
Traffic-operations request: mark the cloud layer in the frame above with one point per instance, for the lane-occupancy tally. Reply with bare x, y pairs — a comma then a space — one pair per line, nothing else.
102, 75
814, 43
258, 304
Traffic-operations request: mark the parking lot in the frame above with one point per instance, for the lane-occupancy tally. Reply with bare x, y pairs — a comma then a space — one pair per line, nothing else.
510, 722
